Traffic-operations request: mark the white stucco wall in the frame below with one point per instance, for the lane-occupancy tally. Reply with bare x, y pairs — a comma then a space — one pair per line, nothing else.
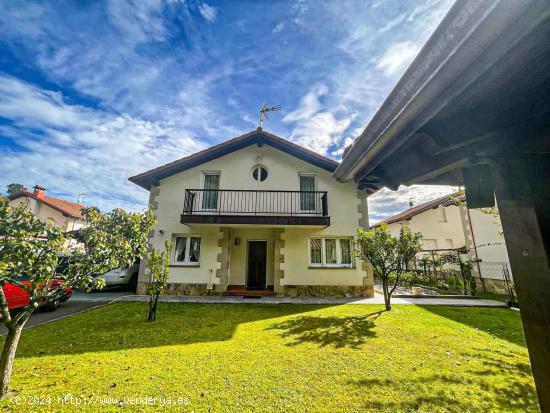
235, 173
436, 233
45, 212
491, 247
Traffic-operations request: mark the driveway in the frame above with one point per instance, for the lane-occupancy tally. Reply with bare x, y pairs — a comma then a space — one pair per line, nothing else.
66, 309
100, 296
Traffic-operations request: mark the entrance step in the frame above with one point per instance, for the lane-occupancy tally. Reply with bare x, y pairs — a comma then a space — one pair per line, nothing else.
242, 291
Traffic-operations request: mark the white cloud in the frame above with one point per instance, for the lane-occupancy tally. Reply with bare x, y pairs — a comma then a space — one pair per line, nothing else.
138, 21
210, 13
320, 131
278, 28
386, 203
82, 149
340, 151
314, 127
309, 104
393, 23
397, 57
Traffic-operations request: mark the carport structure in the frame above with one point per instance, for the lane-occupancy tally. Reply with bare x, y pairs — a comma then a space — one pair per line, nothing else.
473, 109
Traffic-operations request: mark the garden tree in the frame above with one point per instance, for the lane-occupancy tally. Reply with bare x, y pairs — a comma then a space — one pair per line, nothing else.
388, 256
424, 263
32, 250
14, 188
158, 272
451, 258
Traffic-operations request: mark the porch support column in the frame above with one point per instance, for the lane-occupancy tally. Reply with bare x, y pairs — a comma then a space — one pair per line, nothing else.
278, 259
522, 187
222, 272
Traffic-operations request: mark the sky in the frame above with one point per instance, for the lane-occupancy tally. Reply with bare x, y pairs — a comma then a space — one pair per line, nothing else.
92, 92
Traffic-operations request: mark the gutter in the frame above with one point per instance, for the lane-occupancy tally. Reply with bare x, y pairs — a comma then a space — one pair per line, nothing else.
440, 72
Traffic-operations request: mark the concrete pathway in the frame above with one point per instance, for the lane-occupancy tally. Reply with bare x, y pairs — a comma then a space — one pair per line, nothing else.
98, 296
377, 299
80, 302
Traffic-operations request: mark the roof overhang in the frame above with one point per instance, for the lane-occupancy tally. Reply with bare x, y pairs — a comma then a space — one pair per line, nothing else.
482, 79
257, 137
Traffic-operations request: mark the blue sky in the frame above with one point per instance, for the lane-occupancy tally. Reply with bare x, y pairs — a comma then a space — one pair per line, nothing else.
92, 92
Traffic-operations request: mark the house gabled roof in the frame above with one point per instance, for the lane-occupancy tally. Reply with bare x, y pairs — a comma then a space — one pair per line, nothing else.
67, 208
411, 212
258, 136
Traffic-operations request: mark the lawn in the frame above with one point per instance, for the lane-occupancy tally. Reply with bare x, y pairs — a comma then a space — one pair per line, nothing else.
217, 357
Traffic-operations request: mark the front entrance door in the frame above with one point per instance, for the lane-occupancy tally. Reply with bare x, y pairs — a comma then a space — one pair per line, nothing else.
257, 260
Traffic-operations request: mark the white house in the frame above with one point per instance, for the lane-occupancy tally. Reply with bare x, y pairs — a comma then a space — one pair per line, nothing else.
257, 215
447, 224
65, 214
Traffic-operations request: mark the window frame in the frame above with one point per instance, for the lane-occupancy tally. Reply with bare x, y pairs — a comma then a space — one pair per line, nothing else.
304, 194
258, 167
203, 182
323, 263
186, 262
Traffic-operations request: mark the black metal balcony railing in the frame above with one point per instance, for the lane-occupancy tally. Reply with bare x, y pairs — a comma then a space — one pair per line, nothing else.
255, 202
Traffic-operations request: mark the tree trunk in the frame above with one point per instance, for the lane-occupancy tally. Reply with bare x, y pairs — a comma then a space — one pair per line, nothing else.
8, 355
385, 288
153, 308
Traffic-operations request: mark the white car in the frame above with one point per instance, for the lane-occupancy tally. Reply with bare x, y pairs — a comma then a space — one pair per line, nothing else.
120, 277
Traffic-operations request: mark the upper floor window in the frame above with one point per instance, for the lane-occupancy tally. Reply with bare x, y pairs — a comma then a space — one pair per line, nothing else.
441, 214
429, 244
259, 173
307, 194
211, 185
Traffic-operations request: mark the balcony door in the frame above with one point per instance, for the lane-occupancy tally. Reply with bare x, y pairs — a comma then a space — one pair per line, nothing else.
210, 193
307, 196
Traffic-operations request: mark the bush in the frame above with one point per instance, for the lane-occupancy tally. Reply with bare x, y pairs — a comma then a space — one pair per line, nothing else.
409, 278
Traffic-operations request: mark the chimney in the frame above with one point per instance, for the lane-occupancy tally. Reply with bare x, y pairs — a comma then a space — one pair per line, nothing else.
39, 190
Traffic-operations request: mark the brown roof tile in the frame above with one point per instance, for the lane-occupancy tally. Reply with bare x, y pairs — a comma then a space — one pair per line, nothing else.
68, 208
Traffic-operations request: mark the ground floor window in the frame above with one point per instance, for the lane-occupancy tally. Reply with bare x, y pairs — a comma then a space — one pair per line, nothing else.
186, 249
330, 252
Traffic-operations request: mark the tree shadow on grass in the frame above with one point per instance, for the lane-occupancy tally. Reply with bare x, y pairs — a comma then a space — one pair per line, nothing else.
499, 322
514, 391
334, 331
122, 326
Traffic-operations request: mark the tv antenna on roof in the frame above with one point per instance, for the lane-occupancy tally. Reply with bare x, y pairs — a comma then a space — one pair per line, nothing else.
263, 112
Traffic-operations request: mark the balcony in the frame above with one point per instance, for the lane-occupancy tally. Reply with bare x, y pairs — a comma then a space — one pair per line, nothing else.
228, 206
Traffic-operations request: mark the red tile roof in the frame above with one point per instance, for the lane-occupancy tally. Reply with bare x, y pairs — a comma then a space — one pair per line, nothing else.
411, 212
70, 209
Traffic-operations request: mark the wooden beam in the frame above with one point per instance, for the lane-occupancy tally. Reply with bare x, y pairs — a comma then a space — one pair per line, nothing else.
317, 221
522, 189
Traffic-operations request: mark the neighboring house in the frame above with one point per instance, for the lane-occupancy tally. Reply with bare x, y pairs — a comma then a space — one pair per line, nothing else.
447, 224
257, 213
65, 214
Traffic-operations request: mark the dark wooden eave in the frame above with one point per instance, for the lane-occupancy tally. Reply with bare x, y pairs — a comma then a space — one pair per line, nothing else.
257, 137
255, 220
481, 82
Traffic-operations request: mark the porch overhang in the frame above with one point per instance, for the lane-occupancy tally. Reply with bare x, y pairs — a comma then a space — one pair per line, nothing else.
318, 221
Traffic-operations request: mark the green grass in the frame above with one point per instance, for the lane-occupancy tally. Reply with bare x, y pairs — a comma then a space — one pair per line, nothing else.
263, 358
492, 296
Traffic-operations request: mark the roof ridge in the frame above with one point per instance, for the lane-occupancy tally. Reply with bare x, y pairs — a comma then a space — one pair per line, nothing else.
65, 207
147, 178
236, 138
418, 209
